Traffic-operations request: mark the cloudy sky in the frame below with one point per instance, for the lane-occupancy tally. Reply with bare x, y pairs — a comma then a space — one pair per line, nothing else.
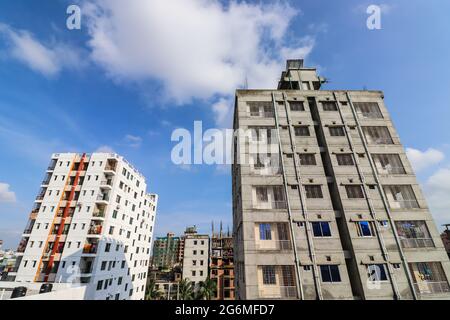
134, 73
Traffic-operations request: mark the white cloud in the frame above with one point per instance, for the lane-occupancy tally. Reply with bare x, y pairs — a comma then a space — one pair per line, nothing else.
6, 195
132, 141
105, 149
223, 112
195, 48
424, 159
437, 190
48, 60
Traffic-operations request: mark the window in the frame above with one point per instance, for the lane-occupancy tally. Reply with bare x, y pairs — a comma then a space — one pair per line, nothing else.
414, 234
337, 131
108, 247
99, 285
301, 131
330, 273
269, 275
111, 230
377, 135
354, 191
103, 266
261, 109
329, 106
307, 159
193, 273
377, 272
365, 229
313, 191
261, 194
296, 106
345, 159
321, 229
368, 110
262, 134
264, 231
401, 197
388, 164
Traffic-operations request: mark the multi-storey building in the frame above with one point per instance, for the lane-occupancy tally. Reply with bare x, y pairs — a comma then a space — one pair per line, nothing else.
166, 252
331, 209
221, 268
446, 238
91, 224
195, 256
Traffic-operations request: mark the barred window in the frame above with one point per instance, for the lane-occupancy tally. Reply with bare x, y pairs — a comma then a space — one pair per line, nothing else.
354, 191
377, 135
301, 131
345, 159
307, 159
313, 191
329, 106
368, 110
337, 131
296, 106
269, 275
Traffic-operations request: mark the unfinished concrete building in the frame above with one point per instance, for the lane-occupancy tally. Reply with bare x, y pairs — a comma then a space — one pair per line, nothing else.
325, 202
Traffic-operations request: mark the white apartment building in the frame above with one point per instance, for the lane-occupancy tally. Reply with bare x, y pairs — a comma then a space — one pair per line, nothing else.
92, 225
196, 257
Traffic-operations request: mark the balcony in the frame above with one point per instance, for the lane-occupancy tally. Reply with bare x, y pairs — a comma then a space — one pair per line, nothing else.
95, 229
40, 197
111, 166
22, 245
106, 184
416, 242
432, 287
52, 165
277, 292
99, 214
90, 248
103, 197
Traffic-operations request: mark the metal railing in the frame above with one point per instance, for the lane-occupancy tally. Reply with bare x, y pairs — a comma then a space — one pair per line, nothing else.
431, 287
417, 242
278, 292
391, 170
370, 115
405, 204
273, 245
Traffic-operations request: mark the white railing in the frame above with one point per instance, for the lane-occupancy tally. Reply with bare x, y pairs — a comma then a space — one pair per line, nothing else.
431, 287
417, 242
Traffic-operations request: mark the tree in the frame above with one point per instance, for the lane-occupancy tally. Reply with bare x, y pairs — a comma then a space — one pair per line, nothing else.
185, 290
152, 292
207, 289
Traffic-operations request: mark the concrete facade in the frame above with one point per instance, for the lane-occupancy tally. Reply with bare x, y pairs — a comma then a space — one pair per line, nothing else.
337, 212
92, 223
195, 257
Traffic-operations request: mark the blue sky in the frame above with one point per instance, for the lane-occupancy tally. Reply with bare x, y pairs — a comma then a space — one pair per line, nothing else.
129, 77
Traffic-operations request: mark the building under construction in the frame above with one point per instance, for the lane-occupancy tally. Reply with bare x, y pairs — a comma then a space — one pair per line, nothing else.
222, 264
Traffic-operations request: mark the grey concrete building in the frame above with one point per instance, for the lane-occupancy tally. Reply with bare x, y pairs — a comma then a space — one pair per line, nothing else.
331, 209
195, 256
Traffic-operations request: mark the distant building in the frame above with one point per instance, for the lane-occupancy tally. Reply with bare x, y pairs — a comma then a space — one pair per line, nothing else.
195, 256
166, 252
91, 225
446, 238
222, 264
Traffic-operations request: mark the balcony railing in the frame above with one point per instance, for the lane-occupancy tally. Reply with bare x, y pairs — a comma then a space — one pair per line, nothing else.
404, 204
96, 229
106, 182
417, 242
278, 292
28, 230
432, 287
391, 170
90, 248
370, 115
264, 114
99, 214
273, 245
279, 204
40, 197
102, 197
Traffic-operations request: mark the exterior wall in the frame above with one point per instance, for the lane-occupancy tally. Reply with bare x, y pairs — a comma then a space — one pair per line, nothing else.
196, 248
109, 233
345, 248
